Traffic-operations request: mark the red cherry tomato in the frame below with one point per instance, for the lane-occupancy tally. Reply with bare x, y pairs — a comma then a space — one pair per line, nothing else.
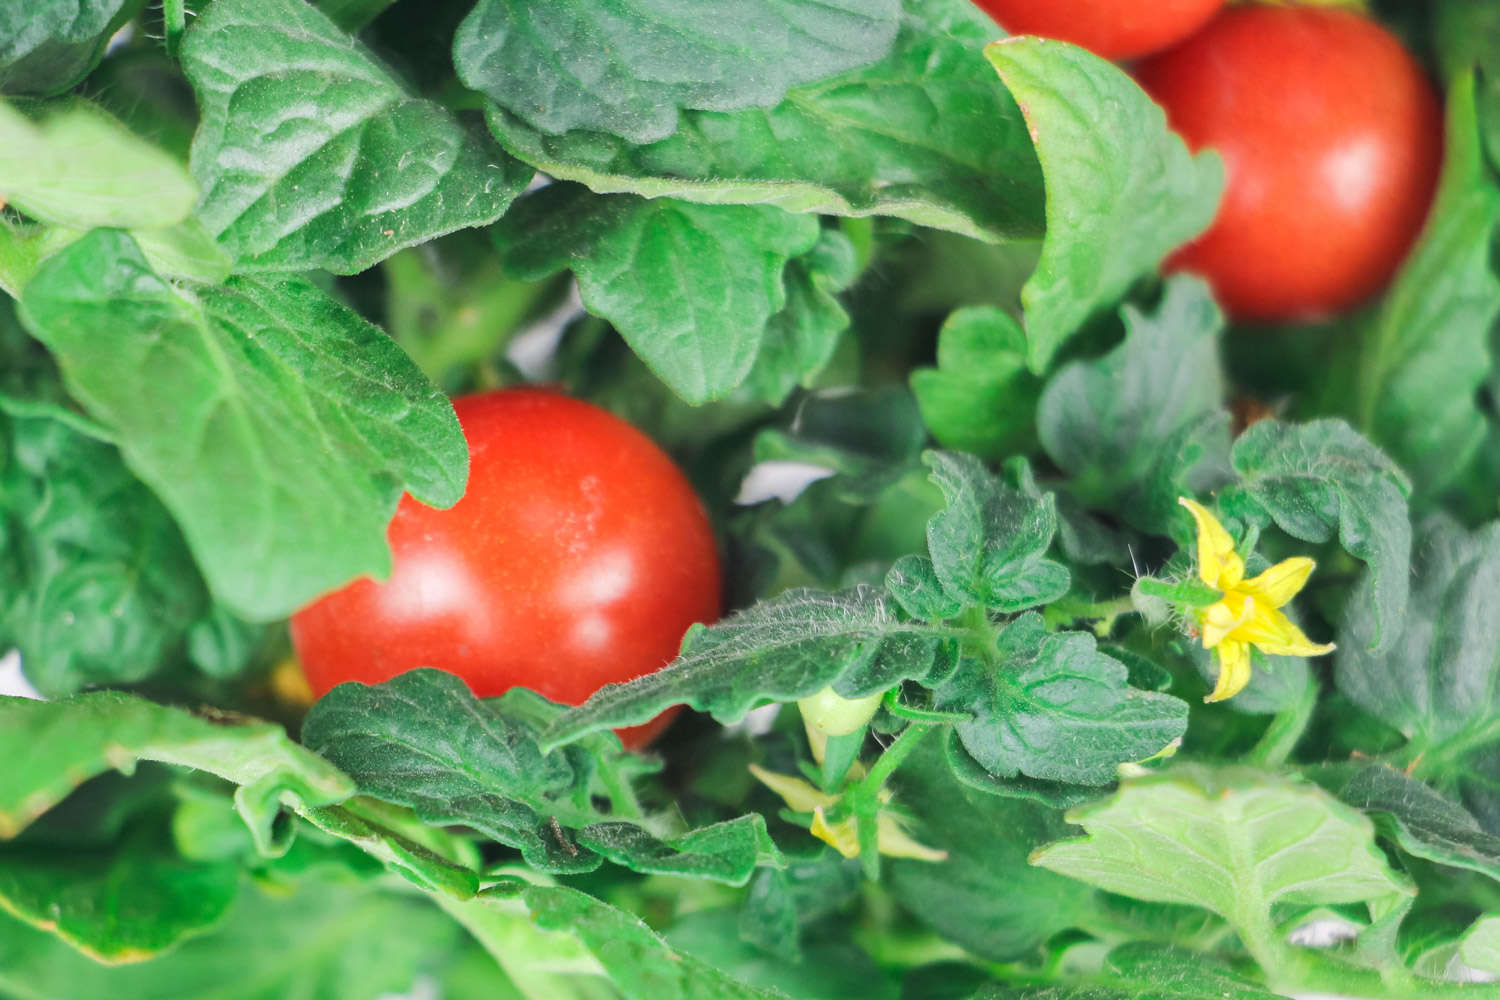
578, 556
1114, 29
1332, 139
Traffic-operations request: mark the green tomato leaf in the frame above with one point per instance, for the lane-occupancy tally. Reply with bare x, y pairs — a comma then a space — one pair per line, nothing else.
54, 746
316, 940
1480, 947
787, 648
1420, 820
1232, 840
801, 338
1122, 190
46, 46
984, 897
868, 437
79, 167
627, 71
692, 288
989, 545
981, 398
1053, 794
284, 406
1051, 706
639, 963
914, 583
1141, 971
116, 903
1422, 361
416, 860
311, 154
1144, 424
923, 134
101, 589
422, 740
1321, 479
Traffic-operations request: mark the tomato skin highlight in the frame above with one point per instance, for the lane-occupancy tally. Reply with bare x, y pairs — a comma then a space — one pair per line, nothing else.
1331, 137
578, 557
1114, 29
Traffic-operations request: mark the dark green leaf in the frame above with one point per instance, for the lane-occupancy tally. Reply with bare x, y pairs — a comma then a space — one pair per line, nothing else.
913, 582
1122, 189
1144, 424
989, 545
48, 45
1140, 971
1320, 480
800, 339
311, 155
53, 746
422, 740
283, 406
981, 398
103, 588
781, 650
80, 167
1233, 840
320, 941
1051, 706
1053, 794
692, 288
628, 70
1419, 819
869, 437
118, 903
923, 134
985, 897
1423, 360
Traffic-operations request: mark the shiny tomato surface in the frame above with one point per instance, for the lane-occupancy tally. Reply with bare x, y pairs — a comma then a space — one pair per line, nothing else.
1331, 137
1114, 29
578, 556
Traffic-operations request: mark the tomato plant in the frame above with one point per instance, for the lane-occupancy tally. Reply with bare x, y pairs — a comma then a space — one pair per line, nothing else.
1115, 29
578, 557
1331, 137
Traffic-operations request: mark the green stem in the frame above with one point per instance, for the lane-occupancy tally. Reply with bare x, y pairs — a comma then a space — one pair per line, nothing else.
174, 18
895, 706
1285, 731
894, 755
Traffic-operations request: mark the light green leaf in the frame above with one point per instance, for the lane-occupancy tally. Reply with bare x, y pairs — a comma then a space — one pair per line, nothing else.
284, 406
1232, 840
924, 134
981, 398
801, 338
1051, 706
1480, 947
54, 746
989, 545
627, 70
780, 650
1145, 423
311, 154
1422, 361
1319, 480
690, 287
79, 167
1122, 190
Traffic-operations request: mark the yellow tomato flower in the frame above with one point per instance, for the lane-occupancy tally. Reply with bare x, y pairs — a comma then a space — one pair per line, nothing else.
1248, 614
891, 837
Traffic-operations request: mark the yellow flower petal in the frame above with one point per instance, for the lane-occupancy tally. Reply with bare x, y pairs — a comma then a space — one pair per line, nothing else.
895, 842
842, 837
800, 795
1273, 632
1218, 564
1234, 670
1279, 584
1224, 617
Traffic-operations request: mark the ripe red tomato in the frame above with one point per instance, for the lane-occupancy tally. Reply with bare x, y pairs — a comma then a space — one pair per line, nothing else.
1114, 29
578, 556
1332, 139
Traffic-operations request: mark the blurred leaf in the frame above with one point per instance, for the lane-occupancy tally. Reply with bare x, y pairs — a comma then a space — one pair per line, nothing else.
1144, 972
981, 398
692, 288
312, 155
868, 437
923, 134
1122, 189
1145, 423
283, 406
628, 71
46, 46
